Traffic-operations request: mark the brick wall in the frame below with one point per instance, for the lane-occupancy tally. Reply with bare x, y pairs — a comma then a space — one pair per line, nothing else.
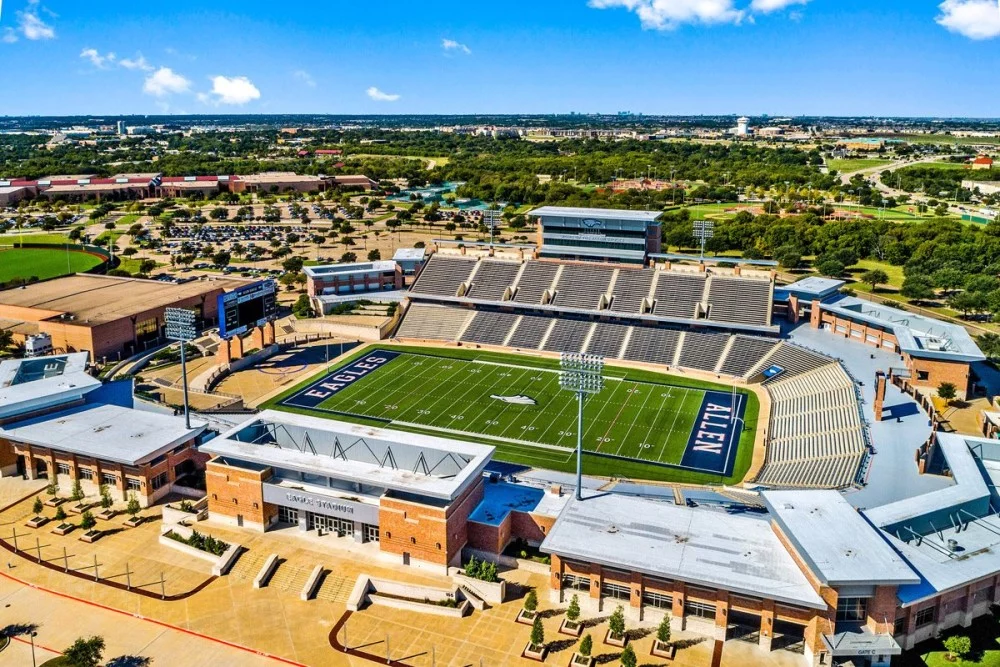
237, 492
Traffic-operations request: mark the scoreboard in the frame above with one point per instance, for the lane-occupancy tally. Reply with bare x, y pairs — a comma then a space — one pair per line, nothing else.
247, 307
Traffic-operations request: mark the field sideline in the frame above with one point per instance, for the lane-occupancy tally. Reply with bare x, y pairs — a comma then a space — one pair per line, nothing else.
641, 426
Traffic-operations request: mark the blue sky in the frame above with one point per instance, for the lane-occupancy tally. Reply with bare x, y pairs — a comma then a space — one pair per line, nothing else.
781, 57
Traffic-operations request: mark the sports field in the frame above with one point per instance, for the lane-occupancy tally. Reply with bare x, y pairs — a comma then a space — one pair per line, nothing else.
643, 425
43, 263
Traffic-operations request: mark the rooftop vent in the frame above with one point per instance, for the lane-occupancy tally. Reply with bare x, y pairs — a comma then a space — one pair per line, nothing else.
613, 529
953, 545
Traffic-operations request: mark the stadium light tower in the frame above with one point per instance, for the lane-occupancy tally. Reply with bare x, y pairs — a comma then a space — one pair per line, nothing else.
581, 374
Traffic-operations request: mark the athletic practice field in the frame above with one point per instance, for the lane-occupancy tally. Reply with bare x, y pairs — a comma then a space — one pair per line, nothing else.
43, 263
643, 425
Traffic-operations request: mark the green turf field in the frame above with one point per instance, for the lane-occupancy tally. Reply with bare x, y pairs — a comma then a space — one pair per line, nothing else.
640, 423
43, 263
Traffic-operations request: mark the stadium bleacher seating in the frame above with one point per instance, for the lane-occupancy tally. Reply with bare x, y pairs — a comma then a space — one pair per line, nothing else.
582, 286
568, 336
678, 294
702, 351
492, 278
536, 278
433, 322
607, 339
528, 334
745, 354
739, 300
652, 346
793, 360
443, 274
489, 328
630, 289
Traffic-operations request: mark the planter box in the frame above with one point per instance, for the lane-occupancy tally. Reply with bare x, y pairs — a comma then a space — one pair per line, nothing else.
423, 607
37, 521
106, 515
133, 523
661, 650
79, 509
525, 617
611, 641
580, 661
91, 536
493, 593
571, 628
63, 529
54, 501
532, 654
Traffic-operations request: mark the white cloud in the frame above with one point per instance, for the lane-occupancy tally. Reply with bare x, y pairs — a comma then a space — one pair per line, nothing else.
137, 63
236, 90
31, 25
96, 59
379, 96
452, 45
767, 6
304, 77
164, 82
9, 36
975, 19
669, 14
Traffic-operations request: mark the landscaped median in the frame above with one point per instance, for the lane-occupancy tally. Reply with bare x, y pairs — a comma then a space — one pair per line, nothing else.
189, 541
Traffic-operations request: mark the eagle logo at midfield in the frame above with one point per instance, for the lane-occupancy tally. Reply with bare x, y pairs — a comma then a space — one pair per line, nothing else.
520, 399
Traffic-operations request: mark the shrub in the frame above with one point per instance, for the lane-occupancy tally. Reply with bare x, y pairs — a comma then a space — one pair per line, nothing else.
133, 507
87, 520
85, 652
106, 501
60, 514
187, 506
77, 494
586, 646
628, 657
947, 391
53, 488
573, 611
37, 506
958, 646
663, 630
482, 570
201, 542
531, 601
617, 622
537, 633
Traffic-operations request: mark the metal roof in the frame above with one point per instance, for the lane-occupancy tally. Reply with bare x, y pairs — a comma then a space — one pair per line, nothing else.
381, 266
814, 287
735, 552
610, 213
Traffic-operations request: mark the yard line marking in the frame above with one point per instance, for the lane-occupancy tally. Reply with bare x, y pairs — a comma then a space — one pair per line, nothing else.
677, 414
486, 407
656, 420
597, 418
515, 441
483, 396
638, 415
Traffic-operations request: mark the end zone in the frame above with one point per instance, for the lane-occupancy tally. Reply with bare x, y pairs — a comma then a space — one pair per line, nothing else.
328, 385
715, 436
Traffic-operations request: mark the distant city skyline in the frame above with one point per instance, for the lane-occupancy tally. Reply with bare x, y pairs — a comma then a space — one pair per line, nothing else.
657, 57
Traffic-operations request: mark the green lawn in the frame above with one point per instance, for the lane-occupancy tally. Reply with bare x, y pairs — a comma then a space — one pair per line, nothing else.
844, 166
47, 239
638, 427
983, 632
42, 263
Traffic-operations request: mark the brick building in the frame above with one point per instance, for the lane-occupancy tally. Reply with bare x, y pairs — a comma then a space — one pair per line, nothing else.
412, 494
355, 278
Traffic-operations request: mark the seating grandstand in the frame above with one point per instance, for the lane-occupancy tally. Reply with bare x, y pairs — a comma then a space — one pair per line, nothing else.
678, 294
567, 336
535, 279
631, 288
443, 275
702, 351
792, 360
745, 353
607, 340
529, 332
739, 300
582, 286
652, 346
433, 322
489, 328
492, 279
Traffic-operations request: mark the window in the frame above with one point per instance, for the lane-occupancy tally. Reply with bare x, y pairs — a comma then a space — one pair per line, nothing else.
925, 617
288, 515
923, 375
133, 484
657, 600
699, 610
852, 610
616, 591
899, 627
160, 480
146, 328
371, 533
85, 473
62, 468
109, 478
573, 582
982, 595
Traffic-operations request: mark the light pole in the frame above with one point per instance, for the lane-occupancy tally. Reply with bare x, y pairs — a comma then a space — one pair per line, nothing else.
581, 374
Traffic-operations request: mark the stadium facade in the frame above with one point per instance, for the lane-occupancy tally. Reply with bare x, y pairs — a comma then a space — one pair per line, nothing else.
597, 235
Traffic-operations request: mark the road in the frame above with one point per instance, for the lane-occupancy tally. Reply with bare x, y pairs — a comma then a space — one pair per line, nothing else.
874, 176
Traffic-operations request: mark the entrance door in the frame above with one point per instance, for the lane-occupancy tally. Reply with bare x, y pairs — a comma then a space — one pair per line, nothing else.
788, 637
743, 626
406, 558
239, 520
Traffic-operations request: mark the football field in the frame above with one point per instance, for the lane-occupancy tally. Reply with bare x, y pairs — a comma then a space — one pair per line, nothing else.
515, 403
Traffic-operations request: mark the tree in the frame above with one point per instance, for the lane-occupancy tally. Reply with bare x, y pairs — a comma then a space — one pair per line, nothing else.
77, 493
537, 634
573, 611
374, 255
989, 343
133, 507
37, 506
60, 514
874, 278
146, 267
87, 520
663, 630
628, 657
293, 264
221, 258
106, 501
348, 257
617, 622
831, 267
85, 652
948, 279
531, 601
219, 213
586, 646
302, 308
958, 646
6, 339
947, 391
918, 288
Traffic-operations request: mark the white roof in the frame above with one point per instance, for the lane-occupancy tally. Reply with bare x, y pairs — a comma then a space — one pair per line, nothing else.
738, 553
419, 464
612, 213
106, 432
409, 254
30, 385
839, 546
